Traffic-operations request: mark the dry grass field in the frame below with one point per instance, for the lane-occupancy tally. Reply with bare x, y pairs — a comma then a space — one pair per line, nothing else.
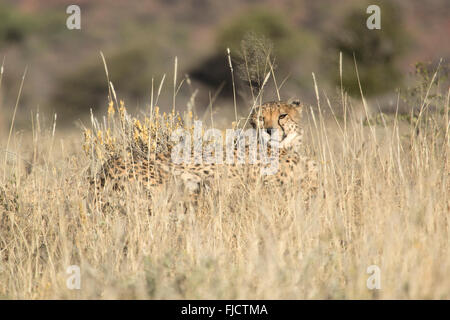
386, 184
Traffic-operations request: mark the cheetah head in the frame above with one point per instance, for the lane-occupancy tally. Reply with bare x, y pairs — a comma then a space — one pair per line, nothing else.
284, 116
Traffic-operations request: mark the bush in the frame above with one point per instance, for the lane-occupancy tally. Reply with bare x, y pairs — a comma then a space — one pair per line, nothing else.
139, 137
130, 70
14, 26
256, 34
273, 26
427, 88
376, 51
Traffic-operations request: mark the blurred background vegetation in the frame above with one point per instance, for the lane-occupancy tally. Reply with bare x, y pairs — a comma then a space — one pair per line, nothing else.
140, 40
377, 53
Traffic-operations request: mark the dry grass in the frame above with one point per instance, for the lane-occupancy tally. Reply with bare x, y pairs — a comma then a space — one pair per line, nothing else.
386, 204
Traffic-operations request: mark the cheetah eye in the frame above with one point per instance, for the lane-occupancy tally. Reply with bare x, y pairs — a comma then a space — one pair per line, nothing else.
282, 116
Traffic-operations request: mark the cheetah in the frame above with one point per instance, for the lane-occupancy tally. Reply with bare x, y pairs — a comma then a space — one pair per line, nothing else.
281, 117
294, 163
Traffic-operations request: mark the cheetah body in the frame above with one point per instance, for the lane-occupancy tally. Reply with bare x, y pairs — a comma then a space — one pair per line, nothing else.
156, 170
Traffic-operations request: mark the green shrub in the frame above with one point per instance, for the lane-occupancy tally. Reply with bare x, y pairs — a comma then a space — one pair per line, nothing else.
14, 25
255, 34
271, 25
428, 85
130, 70
376, 51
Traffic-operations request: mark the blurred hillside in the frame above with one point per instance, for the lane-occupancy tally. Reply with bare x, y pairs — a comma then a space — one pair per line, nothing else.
140, 40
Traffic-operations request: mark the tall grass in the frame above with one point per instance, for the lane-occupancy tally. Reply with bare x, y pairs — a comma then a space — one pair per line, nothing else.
386, 204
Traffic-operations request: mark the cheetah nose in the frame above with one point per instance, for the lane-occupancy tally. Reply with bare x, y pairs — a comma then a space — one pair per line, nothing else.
269, 130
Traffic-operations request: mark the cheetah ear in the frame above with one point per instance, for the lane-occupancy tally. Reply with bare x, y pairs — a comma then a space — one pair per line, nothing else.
297, 105
294, 102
